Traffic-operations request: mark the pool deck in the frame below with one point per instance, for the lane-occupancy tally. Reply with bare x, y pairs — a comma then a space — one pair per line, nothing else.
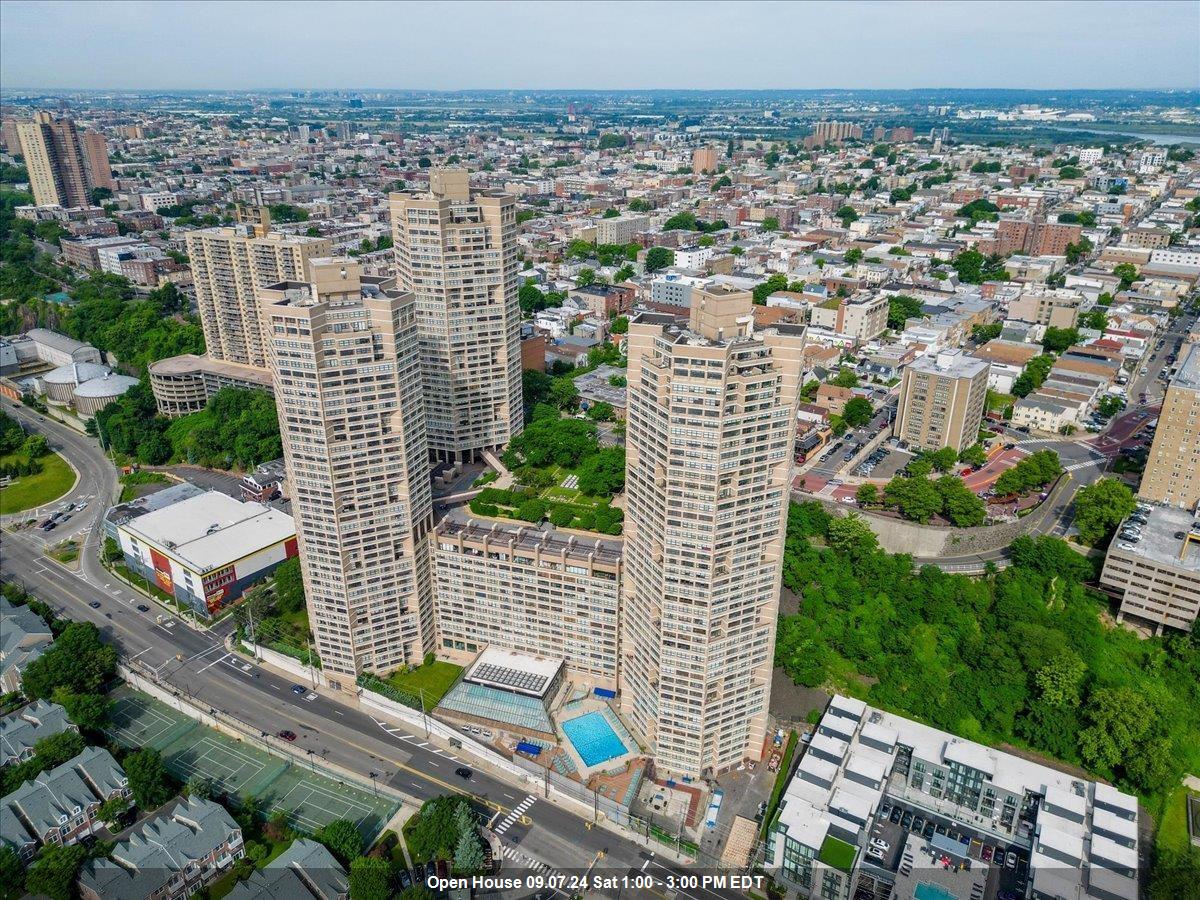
614, 764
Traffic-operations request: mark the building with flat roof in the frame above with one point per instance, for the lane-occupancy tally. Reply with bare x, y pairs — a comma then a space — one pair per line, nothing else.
1172, 474
206, 550
1079, 838
710, 429
534, 591
346, 367
456, 251
184, 384
507, 689
55, 158
1158, 577
941, 403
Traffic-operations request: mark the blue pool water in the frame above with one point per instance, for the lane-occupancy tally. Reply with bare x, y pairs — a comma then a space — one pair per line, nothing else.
593, 738
926, 891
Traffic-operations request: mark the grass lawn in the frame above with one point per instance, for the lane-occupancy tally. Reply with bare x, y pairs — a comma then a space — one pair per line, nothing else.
1172, 822
837, 853
434, 678
66, 552
28, 491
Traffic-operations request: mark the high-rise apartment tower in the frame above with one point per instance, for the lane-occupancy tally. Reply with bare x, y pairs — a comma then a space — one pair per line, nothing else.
712, 412
54, 156
343, 351
229, 267
456, 252
1172, 473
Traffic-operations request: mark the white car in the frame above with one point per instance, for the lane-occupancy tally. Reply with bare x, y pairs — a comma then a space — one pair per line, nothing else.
880, 844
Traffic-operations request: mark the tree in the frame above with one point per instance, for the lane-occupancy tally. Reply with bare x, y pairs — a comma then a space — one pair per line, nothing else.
370, 878
77, 660
531, 298
858, 412
981, 334
980, 210
943, 460
974, 455
619, 325
847, 214
853, 256
11, 870
468, 853
845, 378
1056, 340
770, 223
867, 494
1059, 681
1100, 508
1033, 375
343, 839
659, 258
600, 412
916, 498
1095, 319
54, 871
640, 204
200, 787
289, 586
148, 779
960, 505
1118, 719
851, 536
1032, 472
683, 221
433, 833
901, 308
563, 393
585, 277
773, 284
112, 810
1128, 274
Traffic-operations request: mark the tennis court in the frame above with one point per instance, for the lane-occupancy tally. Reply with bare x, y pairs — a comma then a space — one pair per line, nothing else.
238, 768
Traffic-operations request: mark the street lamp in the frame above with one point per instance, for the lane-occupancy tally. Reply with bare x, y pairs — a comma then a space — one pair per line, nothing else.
374, 783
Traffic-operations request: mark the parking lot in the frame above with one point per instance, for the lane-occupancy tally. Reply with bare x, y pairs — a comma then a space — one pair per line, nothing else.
1010, 863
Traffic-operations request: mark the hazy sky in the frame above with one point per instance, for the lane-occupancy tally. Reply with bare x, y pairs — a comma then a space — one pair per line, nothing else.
609, 45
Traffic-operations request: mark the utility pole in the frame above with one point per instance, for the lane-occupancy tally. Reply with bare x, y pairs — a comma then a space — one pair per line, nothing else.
312, 670
253, 636
546, 782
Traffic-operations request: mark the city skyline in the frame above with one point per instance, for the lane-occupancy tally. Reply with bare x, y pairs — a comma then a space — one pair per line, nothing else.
969, 45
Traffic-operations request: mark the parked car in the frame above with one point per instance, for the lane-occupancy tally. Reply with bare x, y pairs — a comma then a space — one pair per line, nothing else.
881, 844
287, 735
95, 604
897, 812
298, 689
1010, 861
988, 850
918, 824
927, 831
907, 820
463, 772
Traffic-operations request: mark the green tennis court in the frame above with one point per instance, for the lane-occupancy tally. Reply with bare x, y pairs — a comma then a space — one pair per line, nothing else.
236, 767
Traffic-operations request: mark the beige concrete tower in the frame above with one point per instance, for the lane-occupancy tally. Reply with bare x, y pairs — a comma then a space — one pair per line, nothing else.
343, 352
712, 412
229, 266
54, 157
1172, 473
457, 252
941, 402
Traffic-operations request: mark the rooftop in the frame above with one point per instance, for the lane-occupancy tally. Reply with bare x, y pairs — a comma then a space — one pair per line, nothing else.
212, 530
1160, 544
515, 672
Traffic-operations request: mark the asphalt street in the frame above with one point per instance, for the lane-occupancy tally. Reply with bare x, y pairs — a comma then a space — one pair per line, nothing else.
196, 663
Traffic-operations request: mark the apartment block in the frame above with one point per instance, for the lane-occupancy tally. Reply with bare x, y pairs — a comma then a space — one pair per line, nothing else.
621, 229
456, 251
1054, 307
833, 837
862, 317
704, 159
1172, 474
54, 157
184, 384
229, 267
343, 353
710, 428
941, 401
538, 592
95, 158
1158, 577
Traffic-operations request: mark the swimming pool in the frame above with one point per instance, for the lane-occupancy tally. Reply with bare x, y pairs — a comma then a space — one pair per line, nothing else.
593, 738
926, 891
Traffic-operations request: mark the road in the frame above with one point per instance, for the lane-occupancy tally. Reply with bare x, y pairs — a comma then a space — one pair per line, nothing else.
196, 663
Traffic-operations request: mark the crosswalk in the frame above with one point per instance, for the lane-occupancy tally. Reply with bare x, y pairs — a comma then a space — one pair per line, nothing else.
1083, 465
525, 862
516, 814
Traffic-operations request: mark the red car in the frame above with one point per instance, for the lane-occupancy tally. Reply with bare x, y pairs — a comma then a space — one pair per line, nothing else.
287, 735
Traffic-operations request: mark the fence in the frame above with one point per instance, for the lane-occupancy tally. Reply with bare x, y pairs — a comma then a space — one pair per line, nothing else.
144, 679
599, 804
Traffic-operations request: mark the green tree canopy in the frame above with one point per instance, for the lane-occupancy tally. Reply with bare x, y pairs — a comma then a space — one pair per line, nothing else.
1100, 508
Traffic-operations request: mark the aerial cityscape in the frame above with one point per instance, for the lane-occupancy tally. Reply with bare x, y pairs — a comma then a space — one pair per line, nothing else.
569, 450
